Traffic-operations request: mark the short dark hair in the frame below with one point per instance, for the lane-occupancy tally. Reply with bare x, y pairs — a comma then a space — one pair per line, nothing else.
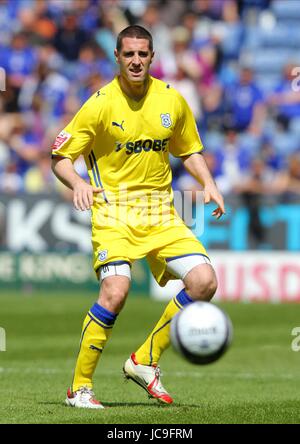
137, 32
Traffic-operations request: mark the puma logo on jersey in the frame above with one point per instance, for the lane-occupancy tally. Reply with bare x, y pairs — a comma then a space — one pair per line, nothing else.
119, 125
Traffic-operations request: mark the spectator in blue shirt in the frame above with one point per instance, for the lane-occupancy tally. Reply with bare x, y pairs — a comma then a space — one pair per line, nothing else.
70, 37
244, 103
18, 60
285, 101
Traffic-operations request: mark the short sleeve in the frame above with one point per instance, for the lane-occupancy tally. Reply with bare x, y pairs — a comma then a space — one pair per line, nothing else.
185, 139
77, 137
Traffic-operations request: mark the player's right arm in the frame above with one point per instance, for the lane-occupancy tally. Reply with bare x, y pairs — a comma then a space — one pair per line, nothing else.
77, 138
83, 193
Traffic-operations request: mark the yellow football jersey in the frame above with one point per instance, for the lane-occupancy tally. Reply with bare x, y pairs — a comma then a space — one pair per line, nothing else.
126, 143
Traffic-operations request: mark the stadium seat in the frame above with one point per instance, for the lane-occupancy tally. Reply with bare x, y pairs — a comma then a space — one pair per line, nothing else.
270, 128
286, 143
267, 82
282, 36
249, 142
175, 162
213, 140
252, 38
269, 60
278, 36
296, 35
295, 127
286, 9
232, 41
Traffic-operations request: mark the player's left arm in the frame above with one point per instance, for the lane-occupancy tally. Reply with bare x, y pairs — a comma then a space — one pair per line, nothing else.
196, 165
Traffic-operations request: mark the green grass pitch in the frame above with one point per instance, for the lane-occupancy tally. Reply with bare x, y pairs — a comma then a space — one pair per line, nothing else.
256, 381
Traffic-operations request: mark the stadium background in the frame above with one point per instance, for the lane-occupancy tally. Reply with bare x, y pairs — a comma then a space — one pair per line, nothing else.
236, 64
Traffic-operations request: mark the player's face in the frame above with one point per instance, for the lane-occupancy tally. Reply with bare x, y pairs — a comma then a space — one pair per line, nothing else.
134, 59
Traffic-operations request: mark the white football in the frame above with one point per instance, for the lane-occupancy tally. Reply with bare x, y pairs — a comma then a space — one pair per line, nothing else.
201, 332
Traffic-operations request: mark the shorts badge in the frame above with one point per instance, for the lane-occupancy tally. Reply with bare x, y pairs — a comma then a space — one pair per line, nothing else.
102, 256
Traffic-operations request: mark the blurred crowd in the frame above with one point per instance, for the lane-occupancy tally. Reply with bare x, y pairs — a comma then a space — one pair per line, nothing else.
237, 63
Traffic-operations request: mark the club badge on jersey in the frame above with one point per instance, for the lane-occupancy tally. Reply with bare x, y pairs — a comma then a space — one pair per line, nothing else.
166, 120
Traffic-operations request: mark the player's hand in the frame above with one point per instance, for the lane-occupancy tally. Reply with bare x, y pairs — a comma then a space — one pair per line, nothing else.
212, 194
83, 195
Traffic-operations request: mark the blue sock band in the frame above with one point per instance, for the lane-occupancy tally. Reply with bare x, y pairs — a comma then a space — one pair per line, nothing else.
103, 315
183, 298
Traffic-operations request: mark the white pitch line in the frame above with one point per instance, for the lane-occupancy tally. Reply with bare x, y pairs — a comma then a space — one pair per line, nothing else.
234, 375
48, 371
193, 374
